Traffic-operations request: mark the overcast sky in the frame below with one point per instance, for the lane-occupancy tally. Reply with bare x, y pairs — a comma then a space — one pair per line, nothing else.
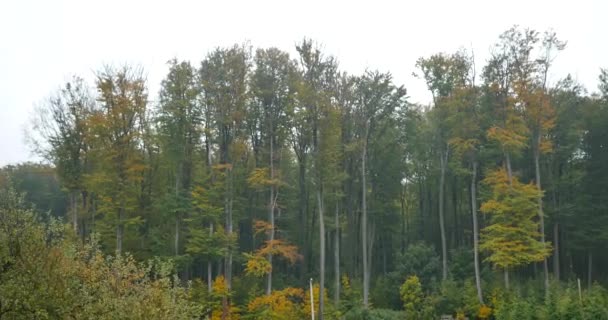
43, 43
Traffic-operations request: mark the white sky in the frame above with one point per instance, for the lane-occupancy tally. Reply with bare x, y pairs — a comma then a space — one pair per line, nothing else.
43, 43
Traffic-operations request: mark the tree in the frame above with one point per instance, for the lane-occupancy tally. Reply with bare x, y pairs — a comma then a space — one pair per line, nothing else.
179, 120
272, 91
512, 238
466, 139
62, 128
316, 80
223, 76
444, 76
376, 98
116, 135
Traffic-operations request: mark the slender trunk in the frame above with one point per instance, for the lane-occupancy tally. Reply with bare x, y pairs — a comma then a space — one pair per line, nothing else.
322, 252
510, 178
303, 210
271, 217
119, 231
589, 269
541, 215
176, 236
403, 219
364, 223
556, 271
209, 265
93, 213
476, 231
74, 211
176, 244
509, 171
229, 230
444, 250
337, 255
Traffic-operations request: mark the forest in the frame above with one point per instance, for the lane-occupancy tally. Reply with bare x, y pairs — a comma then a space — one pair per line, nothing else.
259, 185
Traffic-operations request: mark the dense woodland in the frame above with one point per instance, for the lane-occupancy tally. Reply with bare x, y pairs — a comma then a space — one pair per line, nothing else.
254, 171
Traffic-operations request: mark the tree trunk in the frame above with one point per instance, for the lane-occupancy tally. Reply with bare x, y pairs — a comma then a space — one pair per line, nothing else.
541, 215
210, 269
444, 250
506, 279
403, 219
303, 208
476, 231
364, 222
509, 171
176, 244
271, 217
228, 264
176, 236
119, 231
74, 211
321, 252
556, 258
589, 269
337, 255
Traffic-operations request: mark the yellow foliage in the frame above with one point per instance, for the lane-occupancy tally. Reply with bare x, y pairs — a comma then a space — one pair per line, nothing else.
484, 312
512, 237
257, 265
220, 290
220, 286
279, 305
261, 226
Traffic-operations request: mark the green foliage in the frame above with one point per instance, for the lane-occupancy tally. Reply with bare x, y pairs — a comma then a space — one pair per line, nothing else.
419, 259
373, 314
415, 303
45, 275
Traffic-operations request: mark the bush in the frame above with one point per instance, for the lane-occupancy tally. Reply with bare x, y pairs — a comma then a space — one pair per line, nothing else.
373, 314
45, 275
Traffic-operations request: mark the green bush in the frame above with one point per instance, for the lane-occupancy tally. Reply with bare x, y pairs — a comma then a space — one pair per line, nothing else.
374, 314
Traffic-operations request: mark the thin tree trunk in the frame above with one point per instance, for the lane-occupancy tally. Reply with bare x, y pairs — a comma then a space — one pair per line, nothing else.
506, 279
209, 265
74, 211
228, 266
541, 215
303, 210
589, 269
444, 250
364, 222
509, 171
176, 244
271, 217
119, 231
322, 252
403, 219
176, 236
556, 259
93, 213
476, 231
337, 255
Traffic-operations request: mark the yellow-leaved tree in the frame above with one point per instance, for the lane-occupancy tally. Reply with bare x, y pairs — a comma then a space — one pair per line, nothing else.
511, 238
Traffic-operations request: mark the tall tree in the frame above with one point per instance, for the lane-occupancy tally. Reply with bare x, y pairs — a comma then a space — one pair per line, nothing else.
444, 75
223, 76
179, 121
272, 91
117, 130
466, 139
62, 127
376, 99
